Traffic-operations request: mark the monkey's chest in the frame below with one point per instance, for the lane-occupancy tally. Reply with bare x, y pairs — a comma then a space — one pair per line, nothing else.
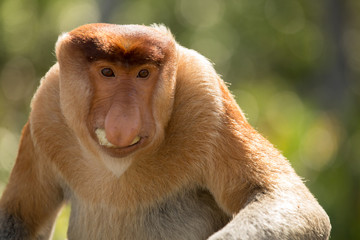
191, 215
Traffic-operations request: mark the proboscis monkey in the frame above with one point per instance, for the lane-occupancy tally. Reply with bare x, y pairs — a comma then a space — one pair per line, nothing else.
145, 141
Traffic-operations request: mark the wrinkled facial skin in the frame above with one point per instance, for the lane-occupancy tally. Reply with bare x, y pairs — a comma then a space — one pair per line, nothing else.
121, 116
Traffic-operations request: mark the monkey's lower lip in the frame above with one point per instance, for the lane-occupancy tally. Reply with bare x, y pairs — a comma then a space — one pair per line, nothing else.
133, 144
136, 141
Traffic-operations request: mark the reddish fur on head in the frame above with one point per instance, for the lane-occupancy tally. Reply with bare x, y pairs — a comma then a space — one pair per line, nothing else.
109, 42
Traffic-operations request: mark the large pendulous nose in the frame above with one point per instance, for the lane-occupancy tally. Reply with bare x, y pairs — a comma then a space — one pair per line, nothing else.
122, 125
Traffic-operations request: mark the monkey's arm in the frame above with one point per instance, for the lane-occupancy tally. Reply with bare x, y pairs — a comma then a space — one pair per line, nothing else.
257, 185
253, 182
31, 200
277, 215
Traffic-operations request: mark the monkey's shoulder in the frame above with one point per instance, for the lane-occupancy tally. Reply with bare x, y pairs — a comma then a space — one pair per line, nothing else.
48, 127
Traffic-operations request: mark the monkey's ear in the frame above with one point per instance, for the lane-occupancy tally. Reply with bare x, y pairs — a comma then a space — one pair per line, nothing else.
62, 40
68, 54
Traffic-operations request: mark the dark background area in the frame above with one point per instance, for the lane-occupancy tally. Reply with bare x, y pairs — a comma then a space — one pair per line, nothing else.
293, 66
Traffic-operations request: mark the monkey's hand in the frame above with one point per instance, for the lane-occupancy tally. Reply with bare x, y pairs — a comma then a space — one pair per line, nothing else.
11, 227
289, 214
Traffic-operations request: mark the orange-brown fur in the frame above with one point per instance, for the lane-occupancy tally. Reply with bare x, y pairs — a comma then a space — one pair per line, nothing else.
203, 164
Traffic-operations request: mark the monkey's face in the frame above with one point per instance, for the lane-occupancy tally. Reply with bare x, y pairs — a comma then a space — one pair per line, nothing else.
121, 111
117, 85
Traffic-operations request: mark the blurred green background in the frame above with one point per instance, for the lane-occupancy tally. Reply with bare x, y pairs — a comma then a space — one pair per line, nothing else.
294, 68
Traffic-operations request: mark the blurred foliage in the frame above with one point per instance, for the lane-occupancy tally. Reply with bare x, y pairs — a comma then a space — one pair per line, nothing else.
294, 68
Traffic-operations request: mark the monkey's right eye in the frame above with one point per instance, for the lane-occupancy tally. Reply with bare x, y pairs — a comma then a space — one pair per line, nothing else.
107, 72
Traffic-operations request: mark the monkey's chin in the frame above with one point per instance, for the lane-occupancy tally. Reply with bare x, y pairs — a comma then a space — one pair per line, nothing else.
114, 150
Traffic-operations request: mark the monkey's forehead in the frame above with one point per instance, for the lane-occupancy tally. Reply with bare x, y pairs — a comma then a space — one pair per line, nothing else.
131, 43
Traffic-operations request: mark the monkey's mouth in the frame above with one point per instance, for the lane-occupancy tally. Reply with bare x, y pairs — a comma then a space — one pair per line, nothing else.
103, 141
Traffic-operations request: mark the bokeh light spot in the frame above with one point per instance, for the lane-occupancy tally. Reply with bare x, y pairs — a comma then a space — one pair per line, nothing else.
307, 44
200, 13
15, 18
8, 149
319, 144
212, 48
286, 16
285, 112
78, 14
17, 78
352, 46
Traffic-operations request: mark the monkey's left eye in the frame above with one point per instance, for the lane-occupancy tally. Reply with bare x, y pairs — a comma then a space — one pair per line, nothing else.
107, 72
144, 73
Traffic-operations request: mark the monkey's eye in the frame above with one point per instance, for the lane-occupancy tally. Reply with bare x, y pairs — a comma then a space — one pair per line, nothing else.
144, 73
107, 72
